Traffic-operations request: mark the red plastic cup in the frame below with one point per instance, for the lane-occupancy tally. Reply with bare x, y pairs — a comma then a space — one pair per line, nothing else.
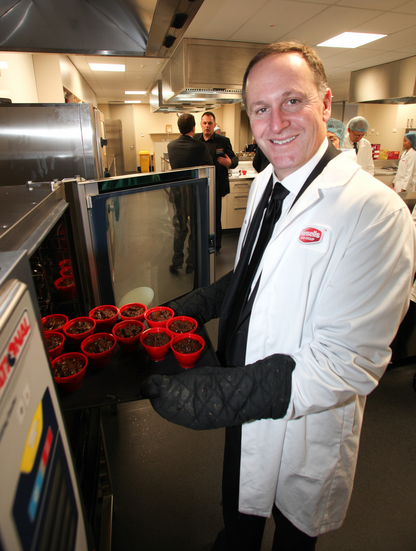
156, 353
66, 287
156, 310
76, 338
128, 344
65, 263
66, 272
181, 319
54, 322
125, 307
71, 383
57, 351
187, 360
105, 325
99, 359
244, 172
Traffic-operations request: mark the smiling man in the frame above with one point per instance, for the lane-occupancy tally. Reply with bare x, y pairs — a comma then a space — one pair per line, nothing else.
322, 279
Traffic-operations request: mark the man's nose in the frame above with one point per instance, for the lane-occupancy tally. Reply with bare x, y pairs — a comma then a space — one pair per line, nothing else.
278, 120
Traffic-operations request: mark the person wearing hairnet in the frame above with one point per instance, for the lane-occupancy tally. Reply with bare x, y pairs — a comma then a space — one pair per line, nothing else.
405, 179
357, 128
335, 131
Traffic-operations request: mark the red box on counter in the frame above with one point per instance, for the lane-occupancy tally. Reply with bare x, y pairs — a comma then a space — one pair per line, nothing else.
393, 155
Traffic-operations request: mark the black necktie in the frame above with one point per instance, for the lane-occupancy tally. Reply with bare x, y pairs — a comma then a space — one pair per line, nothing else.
271, 216
247, 267
355, 147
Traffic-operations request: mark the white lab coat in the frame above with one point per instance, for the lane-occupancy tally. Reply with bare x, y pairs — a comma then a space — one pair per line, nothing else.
334, 305
406, 172
364, 154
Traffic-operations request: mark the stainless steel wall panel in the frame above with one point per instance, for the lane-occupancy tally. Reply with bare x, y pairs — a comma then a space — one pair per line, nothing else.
44, 142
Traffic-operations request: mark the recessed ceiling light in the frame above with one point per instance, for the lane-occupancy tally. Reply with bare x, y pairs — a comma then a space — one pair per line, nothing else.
351, 40
134, 92
107, 67
3, 64
132, 101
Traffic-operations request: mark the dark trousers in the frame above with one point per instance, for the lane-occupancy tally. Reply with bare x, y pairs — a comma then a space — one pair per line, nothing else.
183, 211
218, 227
245, 532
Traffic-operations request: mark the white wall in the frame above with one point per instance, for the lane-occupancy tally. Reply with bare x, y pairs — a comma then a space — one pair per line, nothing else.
383, 125
48, 78
18, 81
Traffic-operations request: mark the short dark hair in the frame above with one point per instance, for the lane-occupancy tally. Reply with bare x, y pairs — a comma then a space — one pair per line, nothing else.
186, 122
308, 54
209, 114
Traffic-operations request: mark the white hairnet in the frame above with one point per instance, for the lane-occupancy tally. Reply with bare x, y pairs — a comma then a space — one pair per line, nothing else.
358, 124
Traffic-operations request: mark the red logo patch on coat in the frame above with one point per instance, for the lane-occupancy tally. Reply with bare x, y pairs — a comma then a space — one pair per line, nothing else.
310, 235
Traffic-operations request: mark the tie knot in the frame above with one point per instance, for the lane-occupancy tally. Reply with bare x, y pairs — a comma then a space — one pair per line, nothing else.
279, 192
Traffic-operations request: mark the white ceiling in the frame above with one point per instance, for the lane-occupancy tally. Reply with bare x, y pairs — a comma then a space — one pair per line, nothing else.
266, 21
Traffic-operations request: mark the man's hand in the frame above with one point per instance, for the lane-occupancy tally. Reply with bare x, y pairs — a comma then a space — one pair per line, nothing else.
225, 161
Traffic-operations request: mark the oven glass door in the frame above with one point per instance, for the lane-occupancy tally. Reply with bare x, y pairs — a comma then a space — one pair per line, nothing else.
151, 243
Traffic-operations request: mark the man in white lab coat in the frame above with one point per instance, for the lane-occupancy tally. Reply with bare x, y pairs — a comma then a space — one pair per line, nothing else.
302, 348
357, 128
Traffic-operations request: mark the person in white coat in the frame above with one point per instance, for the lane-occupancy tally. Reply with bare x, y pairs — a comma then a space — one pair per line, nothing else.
405, 179
302, 349
357, 128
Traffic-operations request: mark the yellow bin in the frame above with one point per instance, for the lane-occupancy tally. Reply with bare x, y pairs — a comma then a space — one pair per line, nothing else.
144, 161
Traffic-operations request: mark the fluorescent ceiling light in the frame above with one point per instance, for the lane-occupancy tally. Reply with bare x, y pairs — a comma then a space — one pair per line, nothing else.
134, 92
351, 40
3, 64
107, 67
132, 101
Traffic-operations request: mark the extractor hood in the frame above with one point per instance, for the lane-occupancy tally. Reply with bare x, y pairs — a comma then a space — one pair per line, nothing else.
96, 27
157, 104
206, 72
393, 83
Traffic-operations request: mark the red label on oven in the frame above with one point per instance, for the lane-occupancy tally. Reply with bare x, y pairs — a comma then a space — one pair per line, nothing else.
310, 235
13, 350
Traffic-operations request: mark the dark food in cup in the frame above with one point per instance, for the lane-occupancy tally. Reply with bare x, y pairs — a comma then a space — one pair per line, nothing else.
133, 311
127, 331
159, 315
103, 314
52, 324
181, 326
79, 327
67, 367
99, 345
187, 346
156, 339
67, 282
53, 341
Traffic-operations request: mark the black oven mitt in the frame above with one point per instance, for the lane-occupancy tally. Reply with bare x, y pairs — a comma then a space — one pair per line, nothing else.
216, 397
204, 302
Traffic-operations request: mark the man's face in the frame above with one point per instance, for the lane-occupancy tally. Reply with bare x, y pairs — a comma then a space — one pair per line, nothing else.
355, 136
334, 139
208, 126
287, 116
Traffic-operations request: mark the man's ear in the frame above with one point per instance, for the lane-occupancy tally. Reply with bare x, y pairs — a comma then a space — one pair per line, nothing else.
327, 102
